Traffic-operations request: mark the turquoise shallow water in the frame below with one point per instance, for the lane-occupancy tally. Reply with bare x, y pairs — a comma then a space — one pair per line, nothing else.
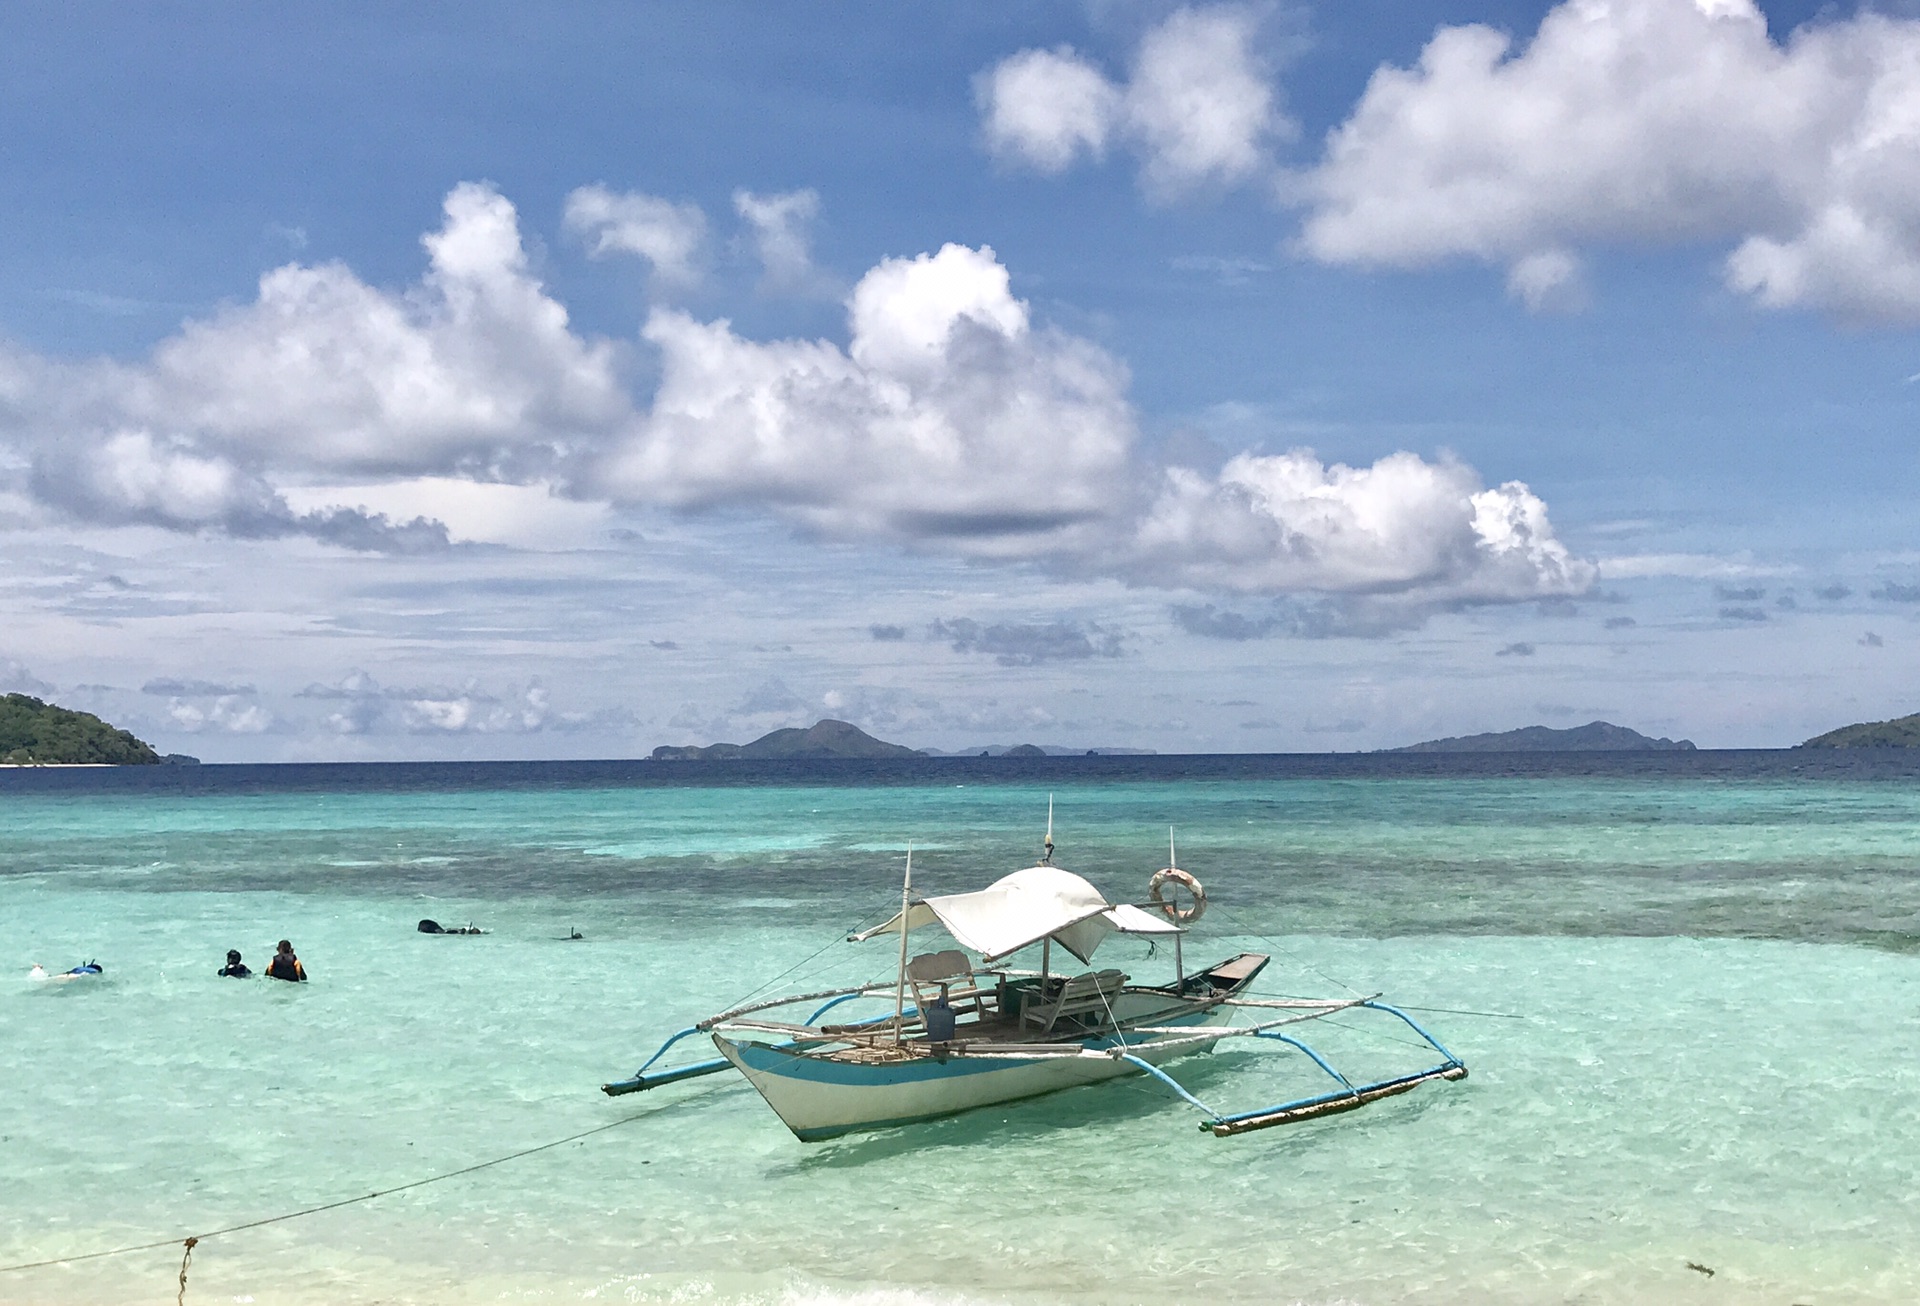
1718, 985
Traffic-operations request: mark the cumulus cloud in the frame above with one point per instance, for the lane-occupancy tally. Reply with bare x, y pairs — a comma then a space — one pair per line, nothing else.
361, 705
1198, 107
1046, 108
1200, 103
1894, 592
228, 713
476, 369
1209, 622
1287, 522
1519, 650
949, 417
1627, 122
1549, 281
670, 237
130, 477
16, 679
1739, 594
1026, 645
779, 225
472, 372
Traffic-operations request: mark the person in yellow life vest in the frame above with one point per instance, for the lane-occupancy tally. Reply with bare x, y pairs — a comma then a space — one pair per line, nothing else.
286, 966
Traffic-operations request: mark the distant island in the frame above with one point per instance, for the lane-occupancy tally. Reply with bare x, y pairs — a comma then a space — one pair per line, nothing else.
1036, 750
1594, 737
1901, 732
822, 739
33, 733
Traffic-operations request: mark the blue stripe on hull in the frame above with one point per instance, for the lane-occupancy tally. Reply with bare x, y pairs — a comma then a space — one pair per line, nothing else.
819, 1098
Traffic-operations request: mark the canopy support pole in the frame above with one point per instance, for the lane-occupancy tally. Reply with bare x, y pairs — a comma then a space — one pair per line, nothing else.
1179, 961
900, 985
1046, 956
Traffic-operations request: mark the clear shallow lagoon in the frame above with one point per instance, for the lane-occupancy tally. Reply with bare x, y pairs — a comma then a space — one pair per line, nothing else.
1717, 959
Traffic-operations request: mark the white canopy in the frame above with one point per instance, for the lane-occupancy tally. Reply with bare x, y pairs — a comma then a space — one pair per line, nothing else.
1023, 908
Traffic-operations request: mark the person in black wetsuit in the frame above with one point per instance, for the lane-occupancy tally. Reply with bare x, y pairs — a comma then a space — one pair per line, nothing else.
286, 966
235, 968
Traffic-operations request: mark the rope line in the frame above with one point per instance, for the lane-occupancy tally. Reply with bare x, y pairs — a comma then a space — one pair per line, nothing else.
804, 961
1457, 1011
191, 1242
1290, 954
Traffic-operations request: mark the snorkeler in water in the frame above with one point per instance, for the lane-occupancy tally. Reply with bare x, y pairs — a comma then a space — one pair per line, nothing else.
286, 966
235, 968
83, 971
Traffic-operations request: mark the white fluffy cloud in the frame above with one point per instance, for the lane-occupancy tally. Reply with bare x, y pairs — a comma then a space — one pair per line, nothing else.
130, 476
229, 713
475, 371
949, 420
780, 227
671, 237
361, 705
1198, 108
1286, 523
1045, 108
1649, 122
1199, 102
948, 417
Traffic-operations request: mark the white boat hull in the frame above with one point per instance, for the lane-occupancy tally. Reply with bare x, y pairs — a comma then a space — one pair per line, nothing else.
821, 1098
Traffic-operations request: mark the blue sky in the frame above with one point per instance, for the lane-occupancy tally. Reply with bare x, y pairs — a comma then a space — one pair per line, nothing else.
505, 381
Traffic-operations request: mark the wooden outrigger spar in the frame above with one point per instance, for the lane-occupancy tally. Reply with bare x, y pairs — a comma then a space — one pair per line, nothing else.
961, 1035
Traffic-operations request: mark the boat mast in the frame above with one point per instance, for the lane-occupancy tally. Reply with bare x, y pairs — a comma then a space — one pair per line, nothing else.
900, 984
1046, 859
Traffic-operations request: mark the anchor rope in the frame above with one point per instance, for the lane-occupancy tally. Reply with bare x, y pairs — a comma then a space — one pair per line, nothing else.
193, 1241
1291, 955
180, 1298
755, 992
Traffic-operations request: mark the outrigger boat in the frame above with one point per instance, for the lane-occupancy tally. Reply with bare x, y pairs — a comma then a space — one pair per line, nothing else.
962, 1036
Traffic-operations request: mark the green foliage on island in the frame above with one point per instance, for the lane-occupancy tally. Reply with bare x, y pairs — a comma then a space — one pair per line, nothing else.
33, 733
823, 739
1594, 737
1902, 732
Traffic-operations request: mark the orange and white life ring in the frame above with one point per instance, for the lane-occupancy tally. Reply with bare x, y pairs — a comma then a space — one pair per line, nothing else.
1179, 915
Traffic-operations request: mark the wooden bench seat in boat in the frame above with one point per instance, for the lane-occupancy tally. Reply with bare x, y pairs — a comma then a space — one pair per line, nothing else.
1082, 994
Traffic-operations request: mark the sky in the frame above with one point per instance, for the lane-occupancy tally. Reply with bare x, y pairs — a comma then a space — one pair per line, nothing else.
518, 381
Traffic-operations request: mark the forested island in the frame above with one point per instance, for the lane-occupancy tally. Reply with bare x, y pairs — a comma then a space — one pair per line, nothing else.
1594, 737
33, 733
1901, 732
822, 739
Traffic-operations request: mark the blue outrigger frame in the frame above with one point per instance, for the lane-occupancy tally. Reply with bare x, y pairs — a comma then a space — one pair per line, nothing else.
1348, 1097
